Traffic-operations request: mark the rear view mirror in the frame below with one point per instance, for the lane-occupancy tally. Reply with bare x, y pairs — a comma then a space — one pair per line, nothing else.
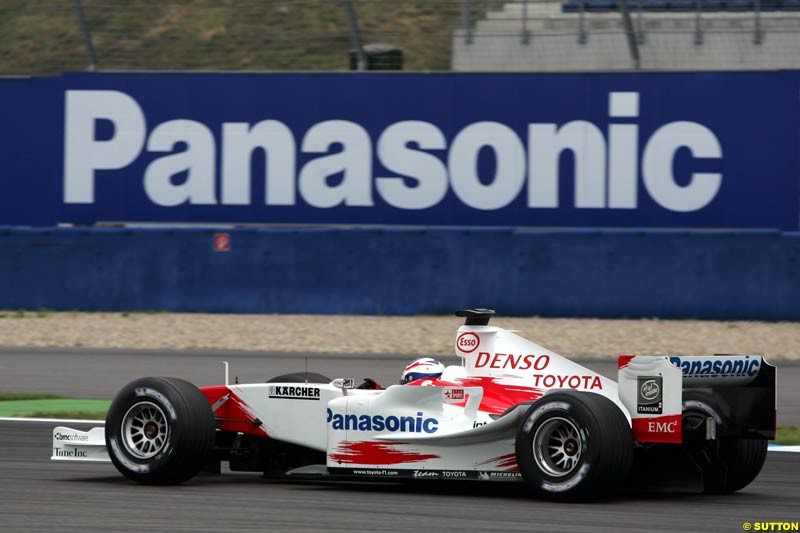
344, 383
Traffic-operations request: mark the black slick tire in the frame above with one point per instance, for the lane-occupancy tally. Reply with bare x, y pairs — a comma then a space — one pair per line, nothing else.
159, 431
595, 442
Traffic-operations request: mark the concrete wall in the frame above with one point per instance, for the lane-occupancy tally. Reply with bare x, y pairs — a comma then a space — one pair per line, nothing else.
753, 275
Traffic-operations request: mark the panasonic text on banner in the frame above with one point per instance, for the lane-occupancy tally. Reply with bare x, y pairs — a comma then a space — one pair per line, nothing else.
416, 163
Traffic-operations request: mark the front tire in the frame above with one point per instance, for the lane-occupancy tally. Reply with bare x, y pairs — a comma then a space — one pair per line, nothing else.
574, 446
159, 431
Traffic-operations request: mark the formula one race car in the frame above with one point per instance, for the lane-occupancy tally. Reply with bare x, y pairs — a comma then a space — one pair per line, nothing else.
513, 411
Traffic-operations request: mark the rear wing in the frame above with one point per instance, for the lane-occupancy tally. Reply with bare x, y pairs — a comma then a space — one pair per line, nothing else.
651, 389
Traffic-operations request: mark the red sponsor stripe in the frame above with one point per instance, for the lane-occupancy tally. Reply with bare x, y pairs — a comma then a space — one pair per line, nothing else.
497, 397
623, 361
377, 453
507, 462
666, 428
238, 416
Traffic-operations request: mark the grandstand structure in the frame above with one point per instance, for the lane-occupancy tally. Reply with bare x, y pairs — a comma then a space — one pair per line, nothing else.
611, 35
52, 36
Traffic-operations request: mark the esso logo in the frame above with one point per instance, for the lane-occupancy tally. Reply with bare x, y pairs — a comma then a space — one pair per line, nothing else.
468, 342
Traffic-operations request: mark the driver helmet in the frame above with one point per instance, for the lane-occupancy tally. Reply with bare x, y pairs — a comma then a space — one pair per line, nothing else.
425, 367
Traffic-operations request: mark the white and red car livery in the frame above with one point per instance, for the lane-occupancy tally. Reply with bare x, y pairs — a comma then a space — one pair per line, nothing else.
513, 411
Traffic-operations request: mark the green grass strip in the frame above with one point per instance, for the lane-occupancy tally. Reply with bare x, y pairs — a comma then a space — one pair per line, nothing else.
51, 407
788, 435
68, 415
11, 396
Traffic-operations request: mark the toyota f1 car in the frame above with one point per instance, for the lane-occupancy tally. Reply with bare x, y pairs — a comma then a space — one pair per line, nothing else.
513, 411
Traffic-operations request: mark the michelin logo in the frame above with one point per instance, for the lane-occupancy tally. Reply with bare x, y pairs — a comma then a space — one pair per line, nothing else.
410, 424
499, 475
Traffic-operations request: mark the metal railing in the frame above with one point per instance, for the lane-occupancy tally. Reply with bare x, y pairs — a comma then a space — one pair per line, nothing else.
585, 35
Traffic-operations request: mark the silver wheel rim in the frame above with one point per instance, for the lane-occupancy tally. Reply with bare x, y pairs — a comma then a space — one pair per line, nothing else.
557, 446
144, 430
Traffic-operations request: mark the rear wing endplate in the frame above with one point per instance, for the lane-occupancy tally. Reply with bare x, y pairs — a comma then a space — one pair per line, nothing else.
651, 389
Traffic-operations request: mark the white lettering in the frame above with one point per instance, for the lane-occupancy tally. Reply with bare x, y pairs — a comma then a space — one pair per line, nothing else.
197, 161
354, 160
83, 153
509, 175
239, 141
657, 166
623, 150
106, 130
545, 145
623, 147
428, 171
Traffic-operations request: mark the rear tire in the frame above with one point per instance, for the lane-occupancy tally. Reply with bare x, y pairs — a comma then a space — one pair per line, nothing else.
729, 463
159, 431
574, 446
745, 458
301, 377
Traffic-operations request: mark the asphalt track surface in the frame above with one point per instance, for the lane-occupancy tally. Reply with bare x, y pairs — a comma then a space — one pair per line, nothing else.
39, 495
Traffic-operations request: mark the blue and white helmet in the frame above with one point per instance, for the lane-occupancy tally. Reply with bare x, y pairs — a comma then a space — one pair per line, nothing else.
425, 367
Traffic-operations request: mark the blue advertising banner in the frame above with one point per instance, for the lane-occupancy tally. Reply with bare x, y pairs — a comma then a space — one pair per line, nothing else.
678, 150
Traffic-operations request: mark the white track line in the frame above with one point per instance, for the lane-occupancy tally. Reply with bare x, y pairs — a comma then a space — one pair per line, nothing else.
781, 448
52, 420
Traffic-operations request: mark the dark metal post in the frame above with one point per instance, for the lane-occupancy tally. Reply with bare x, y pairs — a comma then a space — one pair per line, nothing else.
582, 37
77, 6
633, 45
758, 33
526, 35
698, 30
355, 33
466, 20
639, 23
